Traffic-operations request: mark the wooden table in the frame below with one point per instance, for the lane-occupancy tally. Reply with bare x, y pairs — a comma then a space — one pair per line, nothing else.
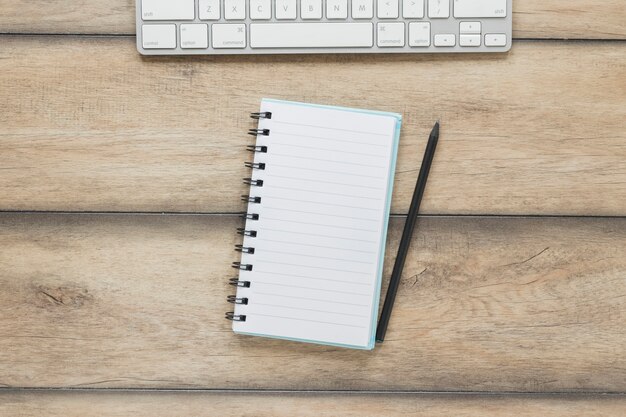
119, 190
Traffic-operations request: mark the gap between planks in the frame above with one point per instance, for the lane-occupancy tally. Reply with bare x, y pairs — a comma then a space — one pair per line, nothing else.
526, 394
238, 214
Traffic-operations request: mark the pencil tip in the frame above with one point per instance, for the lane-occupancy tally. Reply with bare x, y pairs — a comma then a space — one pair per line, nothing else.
436, 128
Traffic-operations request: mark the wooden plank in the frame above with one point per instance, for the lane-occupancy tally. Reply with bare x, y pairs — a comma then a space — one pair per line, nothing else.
88, 125
184, 404
487, 304
582, 19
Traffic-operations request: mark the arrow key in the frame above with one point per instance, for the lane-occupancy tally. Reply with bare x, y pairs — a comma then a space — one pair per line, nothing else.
469, 40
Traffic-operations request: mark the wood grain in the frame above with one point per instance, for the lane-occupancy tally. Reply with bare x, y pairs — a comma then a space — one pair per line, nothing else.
572, 19
486, 304
88, 125
184, 404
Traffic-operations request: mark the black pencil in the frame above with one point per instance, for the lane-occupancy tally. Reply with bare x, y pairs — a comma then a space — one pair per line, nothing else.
407, 234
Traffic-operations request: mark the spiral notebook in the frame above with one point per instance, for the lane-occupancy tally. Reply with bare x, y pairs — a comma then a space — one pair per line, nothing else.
315, 231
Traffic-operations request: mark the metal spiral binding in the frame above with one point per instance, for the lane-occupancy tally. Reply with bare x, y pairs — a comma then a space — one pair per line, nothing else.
251, 199
244, 249
235, 317
236, 282
233, 299
259, 132
241, 267
262, 115
255, 165
252, 182
244, 232
259, 149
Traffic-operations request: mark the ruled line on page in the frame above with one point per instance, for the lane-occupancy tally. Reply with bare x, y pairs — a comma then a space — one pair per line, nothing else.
313, 278
360, 229
310, 158
313, 256
323, 192
369, 187
319, 246
300, 135
323, 204
313, 321
256, 281
313, 299
274, 121
345, 271
320, 148
265, 206
273, 164
315, 234
310, 309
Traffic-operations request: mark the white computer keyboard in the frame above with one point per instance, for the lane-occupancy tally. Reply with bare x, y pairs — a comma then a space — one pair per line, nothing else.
219, 27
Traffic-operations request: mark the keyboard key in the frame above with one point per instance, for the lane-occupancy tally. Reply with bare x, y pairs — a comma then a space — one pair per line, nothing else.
439, 9
209, 9
495, 39
479, 8
362, 9
194, 36
311, 9
168, 10
337, 9
229, 36
158, 36
391, 35
469, 40
285, 9
470, 27
413, 9
311, 35
387, 9
419, 34
260, 9
445, 39
234, 9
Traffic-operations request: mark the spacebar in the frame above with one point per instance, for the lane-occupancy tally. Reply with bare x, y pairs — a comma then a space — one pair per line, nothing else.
311, 35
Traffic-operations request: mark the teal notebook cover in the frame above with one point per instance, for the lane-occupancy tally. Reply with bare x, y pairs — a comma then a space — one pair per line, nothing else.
316, 170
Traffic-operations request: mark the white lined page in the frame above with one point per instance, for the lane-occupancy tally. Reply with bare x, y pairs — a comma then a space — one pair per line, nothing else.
322, 221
